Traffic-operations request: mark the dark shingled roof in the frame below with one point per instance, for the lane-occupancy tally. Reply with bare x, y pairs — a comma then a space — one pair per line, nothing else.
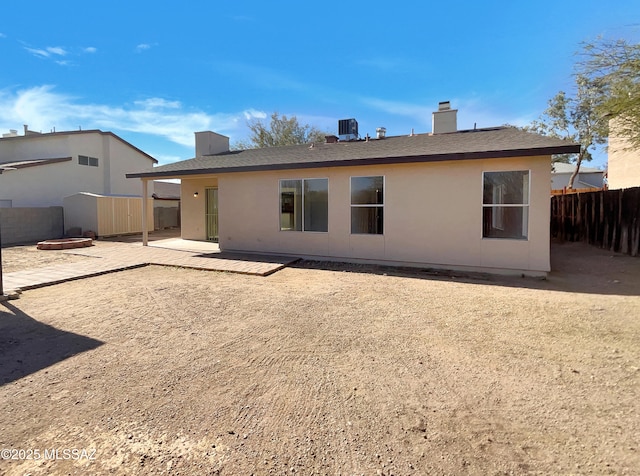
462, 145
166, 190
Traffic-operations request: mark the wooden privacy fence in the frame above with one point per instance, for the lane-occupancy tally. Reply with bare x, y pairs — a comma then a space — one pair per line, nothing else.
609, 219
564, 191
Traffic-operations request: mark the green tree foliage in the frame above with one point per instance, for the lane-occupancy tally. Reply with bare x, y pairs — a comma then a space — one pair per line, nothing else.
616, 66
576, 119
280, 131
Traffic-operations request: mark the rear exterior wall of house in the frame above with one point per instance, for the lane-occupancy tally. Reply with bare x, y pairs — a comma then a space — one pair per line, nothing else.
432, 214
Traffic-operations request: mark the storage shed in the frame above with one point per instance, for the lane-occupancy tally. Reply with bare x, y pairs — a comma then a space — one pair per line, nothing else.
106, 215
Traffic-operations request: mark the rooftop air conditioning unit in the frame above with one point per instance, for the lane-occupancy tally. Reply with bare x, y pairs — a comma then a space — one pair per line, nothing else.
348, 129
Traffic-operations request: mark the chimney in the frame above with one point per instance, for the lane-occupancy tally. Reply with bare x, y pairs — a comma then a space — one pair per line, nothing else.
27, 132
210, 143
445, 119
381, 132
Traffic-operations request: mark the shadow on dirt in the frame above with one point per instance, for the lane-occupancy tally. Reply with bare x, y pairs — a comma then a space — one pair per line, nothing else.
575, 268
27, 346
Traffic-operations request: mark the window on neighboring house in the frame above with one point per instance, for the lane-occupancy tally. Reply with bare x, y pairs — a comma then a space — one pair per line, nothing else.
84, 160
304, 205
367, 205
505, 205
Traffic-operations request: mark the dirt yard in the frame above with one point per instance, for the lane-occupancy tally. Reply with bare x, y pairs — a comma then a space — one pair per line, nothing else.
326, 370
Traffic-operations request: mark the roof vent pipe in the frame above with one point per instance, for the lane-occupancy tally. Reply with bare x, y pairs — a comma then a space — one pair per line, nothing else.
381, 132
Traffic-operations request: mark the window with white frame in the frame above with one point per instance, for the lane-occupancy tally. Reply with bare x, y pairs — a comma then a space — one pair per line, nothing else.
85, 160
505, 205
304, 205
367, 205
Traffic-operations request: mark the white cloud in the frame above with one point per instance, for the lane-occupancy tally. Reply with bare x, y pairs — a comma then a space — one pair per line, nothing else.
152, 103
44, 109
47, 52
54, 53
253, 114
38, 52
418, 112
471, 112
166, 159
142, 47
56, 50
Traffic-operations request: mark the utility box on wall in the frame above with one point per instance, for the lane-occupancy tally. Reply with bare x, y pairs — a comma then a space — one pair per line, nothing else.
106, 215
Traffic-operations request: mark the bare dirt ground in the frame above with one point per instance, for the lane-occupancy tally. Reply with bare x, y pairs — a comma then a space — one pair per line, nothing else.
326, 369
17, 258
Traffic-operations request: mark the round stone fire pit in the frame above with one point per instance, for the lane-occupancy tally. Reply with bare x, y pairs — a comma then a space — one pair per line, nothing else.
65, 243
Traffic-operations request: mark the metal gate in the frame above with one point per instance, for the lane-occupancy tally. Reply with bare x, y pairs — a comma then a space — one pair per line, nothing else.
211, 214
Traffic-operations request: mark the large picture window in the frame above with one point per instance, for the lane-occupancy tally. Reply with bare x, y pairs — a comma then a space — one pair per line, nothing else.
304, 205
505, 205
367, 205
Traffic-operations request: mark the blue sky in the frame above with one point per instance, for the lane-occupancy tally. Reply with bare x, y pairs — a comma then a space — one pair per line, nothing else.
156, 72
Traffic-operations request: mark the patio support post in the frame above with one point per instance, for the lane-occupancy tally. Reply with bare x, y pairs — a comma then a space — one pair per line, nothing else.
145, 232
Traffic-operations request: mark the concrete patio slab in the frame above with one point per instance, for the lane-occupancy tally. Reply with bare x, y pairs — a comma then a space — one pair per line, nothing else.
185, 245
121, 256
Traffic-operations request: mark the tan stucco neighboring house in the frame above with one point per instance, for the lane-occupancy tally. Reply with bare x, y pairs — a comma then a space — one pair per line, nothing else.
469, 200
623, 169
47, 167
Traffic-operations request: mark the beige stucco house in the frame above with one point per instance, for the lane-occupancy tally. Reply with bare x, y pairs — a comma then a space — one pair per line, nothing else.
45, 168
470, 200
623, 168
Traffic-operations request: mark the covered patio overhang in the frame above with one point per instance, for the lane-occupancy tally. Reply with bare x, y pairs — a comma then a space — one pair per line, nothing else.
192, 187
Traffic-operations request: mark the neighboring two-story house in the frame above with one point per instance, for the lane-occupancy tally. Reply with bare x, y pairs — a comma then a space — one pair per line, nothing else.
44, 168
623, 168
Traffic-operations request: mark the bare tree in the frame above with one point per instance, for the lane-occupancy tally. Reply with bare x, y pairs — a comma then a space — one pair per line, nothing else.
577, 119
281, 131
615, 65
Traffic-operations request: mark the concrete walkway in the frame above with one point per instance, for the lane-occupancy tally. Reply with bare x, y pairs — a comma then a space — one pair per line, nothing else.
121, 256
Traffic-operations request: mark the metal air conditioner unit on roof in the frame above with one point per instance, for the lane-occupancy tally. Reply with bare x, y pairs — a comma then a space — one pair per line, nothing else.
348, 129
